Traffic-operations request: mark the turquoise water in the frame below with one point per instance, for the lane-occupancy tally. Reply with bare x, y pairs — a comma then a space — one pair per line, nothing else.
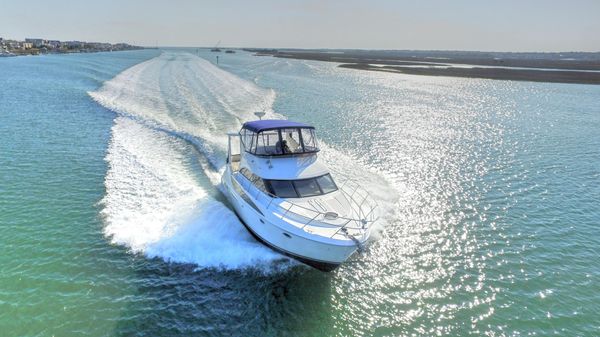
112, 221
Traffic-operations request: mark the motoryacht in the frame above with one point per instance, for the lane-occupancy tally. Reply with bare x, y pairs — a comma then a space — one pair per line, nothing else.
288, 199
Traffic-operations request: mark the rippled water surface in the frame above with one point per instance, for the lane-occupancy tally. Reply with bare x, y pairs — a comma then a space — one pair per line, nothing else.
112, 221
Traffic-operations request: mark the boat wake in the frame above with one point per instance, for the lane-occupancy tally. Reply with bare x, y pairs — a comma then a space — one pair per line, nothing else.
165, 159
157, 203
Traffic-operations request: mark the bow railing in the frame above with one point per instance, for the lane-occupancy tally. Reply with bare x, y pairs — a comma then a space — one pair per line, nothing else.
356, 224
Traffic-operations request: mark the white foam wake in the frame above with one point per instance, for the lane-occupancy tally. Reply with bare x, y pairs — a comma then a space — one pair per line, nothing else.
155, 204
188, 96
164, 159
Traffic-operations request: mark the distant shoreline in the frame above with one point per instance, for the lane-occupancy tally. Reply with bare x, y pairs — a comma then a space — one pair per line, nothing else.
577, 68
70, 53
553, 76
6, 55
11, 48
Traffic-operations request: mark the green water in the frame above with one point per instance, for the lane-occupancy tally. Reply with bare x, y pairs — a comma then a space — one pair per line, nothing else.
112, 222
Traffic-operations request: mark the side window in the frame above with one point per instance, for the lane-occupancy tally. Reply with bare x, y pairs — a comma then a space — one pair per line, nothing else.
254, 179
243, 133
248, 138
244, 171
309, 140
258, 182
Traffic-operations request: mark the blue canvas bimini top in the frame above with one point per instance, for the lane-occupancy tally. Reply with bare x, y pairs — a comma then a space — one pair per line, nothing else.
270, 124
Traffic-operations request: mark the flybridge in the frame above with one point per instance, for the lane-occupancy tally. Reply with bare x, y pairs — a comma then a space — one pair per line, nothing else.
278, 138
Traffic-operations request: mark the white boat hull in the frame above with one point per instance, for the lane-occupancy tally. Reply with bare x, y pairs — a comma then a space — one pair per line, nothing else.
322, 253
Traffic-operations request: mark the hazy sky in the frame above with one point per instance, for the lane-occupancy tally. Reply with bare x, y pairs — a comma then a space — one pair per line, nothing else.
508, 25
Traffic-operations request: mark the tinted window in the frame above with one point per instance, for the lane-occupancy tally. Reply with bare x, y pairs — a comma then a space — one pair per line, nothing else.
258, 182
301, 188
254, 179
307, 187
283, 188
326, 183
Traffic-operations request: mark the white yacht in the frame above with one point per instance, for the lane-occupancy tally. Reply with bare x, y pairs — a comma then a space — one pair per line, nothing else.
288, 199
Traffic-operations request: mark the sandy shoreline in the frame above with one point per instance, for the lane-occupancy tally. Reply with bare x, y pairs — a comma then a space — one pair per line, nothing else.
555, 76
581, 68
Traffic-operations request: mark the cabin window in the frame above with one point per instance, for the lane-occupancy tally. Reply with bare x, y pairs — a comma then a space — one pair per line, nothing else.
257, 181
309, 140
307, 187
246, 173
326, 183
283, 188
301, 188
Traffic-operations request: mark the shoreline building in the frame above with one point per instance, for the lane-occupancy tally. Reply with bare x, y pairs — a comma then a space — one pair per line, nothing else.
37, 43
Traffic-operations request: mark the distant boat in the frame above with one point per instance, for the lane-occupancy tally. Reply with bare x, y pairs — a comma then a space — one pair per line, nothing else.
230, 51
216, 48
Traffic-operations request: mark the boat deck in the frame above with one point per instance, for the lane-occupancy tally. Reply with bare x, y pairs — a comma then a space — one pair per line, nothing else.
235, 162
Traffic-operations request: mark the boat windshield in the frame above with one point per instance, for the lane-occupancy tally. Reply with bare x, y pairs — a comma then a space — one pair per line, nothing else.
300, 188
280, 141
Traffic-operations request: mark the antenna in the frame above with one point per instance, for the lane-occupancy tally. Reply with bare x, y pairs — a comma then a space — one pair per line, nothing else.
260, 114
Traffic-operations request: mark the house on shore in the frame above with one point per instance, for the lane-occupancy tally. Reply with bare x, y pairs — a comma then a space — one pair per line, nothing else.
37, 43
